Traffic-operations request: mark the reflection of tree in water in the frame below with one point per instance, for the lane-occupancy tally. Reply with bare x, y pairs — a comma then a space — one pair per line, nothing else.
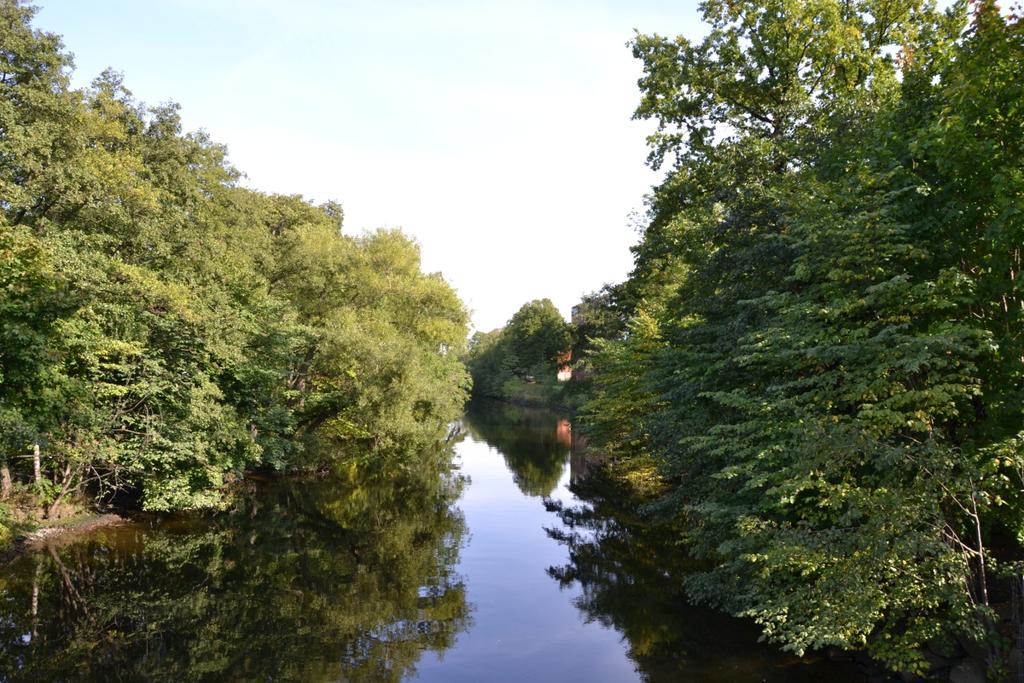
631, 577
302, 580
534, 442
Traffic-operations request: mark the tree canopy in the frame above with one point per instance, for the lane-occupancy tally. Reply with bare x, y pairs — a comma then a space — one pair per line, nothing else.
162, 326
824, 355
532, 345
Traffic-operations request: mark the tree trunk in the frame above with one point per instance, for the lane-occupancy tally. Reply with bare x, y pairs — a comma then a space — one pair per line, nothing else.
65, 486
35, 599
5, 482
35, 463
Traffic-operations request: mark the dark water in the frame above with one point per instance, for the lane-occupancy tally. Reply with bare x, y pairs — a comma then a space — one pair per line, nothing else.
492, 572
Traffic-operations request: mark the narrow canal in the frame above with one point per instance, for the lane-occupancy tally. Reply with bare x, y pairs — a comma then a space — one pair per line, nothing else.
508, 567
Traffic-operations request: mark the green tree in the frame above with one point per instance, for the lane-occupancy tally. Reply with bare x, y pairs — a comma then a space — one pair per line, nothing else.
530, 348
164, 327
539, 336
822, 300
597, 316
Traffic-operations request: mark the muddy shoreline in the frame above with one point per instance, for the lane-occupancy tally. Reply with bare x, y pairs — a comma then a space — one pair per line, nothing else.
38, 538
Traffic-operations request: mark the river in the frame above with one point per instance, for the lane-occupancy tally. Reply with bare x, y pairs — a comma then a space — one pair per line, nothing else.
491, 570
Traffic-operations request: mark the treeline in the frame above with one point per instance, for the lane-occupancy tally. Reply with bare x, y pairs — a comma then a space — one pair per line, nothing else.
521, 360
820, 353
162, 326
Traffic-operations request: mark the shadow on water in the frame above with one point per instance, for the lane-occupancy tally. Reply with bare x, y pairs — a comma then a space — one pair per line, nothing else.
534, 442
355, 577
631, 579
627, 571
300, 581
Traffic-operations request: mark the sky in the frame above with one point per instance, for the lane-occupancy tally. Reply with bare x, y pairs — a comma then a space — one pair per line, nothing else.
497, 134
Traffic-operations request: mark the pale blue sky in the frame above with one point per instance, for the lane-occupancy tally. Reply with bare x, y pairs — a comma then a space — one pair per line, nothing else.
498, 134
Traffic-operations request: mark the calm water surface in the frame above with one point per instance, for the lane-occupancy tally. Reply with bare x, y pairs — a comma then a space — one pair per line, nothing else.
493, 571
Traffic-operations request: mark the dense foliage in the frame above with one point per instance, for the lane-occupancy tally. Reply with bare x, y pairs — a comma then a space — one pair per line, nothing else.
530, 347
162, 326
597, 316
824, 357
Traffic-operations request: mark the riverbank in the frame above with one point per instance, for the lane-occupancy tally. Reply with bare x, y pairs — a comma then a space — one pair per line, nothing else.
79, 525
564, 396
31, 535
520, 392
23, 513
